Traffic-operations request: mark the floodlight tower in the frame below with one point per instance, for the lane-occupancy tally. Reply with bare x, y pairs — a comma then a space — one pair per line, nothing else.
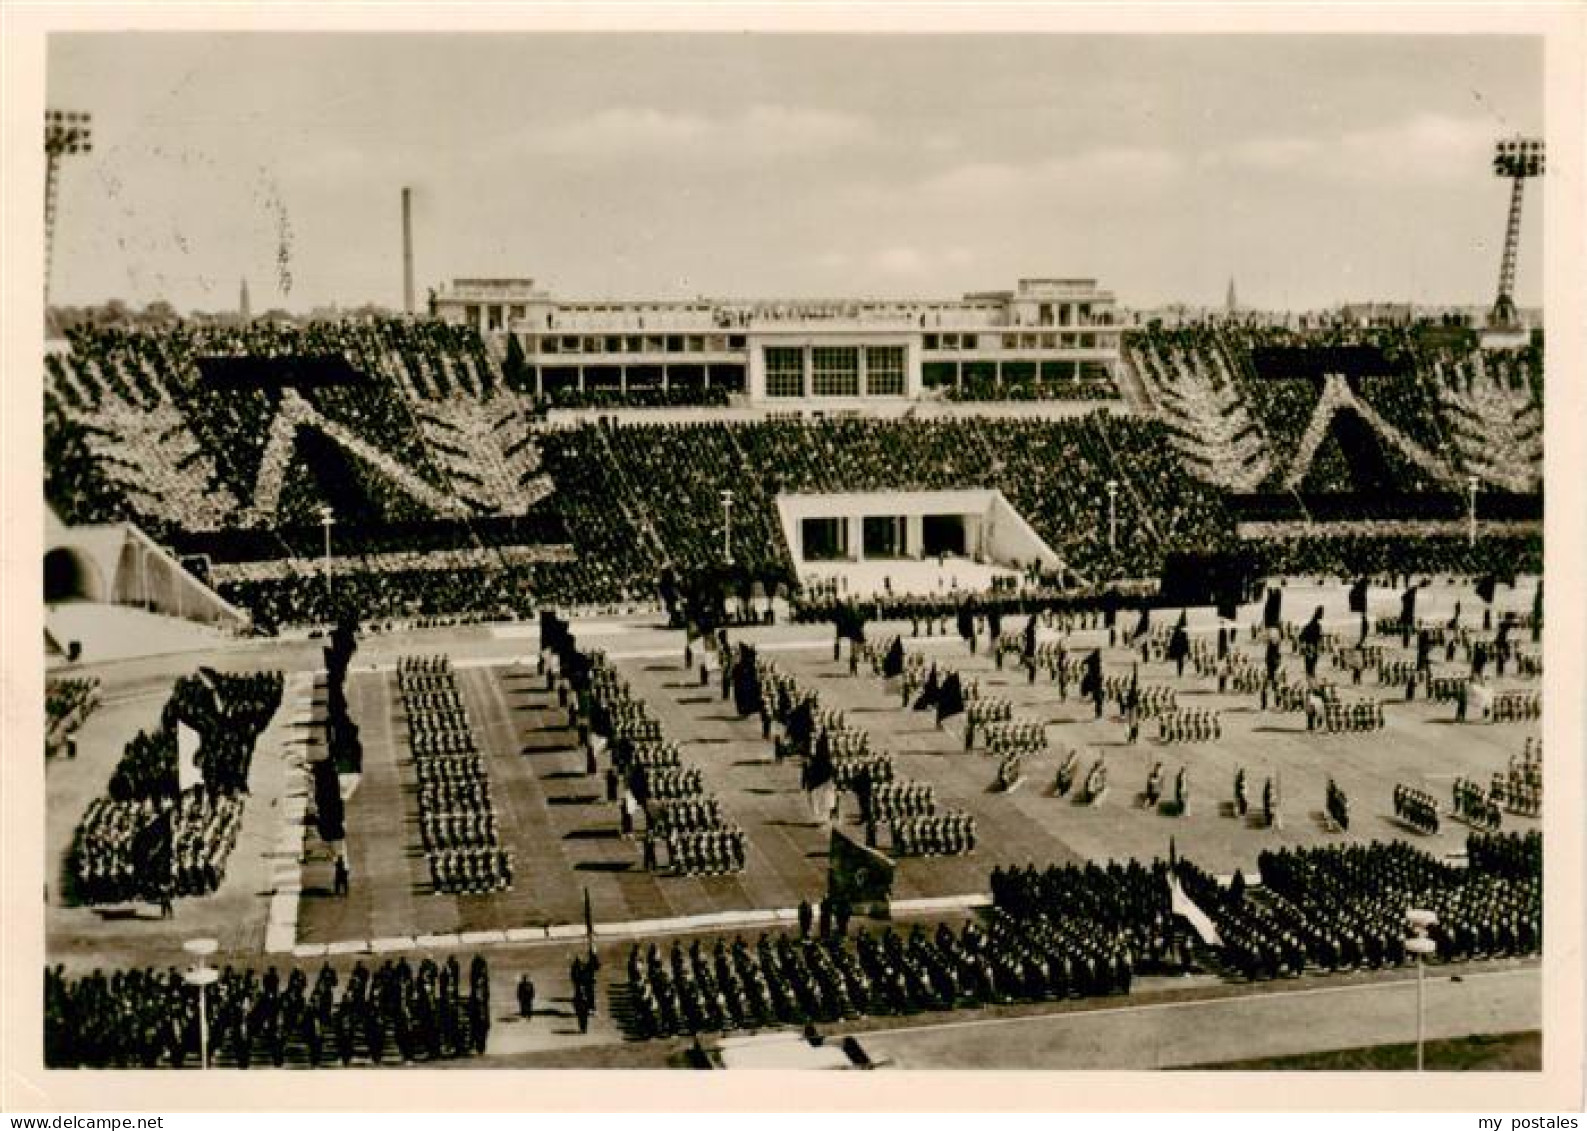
65, 132
1516, 158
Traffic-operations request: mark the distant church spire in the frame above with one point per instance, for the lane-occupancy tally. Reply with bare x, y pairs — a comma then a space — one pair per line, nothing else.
1230, 303
244, 309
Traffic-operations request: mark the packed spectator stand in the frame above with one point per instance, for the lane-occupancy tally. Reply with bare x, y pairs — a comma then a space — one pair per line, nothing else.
428, 447
67, 704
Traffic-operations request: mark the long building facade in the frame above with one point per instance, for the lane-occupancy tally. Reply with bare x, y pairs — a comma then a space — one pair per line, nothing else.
1052, 332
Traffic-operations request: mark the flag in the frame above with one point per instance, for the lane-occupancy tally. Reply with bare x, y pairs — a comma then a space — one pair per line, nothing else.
589, 921
746, 682
1311, 635
1179, 642
818, 769
153, 847
1485, 588
1030, 637
1091, 681
855, 874
893, 664
966, 621
1185, 907
1273, 610
850, 622
1358, 596
801, 722
931, 692
329, 809
819, 779
1142, 626
1110, 607
1408, 605
188, 742
823, 799
950, 701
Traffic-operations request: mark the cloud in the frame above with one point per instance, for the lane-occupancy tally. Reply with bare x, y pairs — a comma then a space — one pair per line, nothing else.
1430, 146
1267, 153
1423, 147
896, 261
900, 260
760, 130
1106, 171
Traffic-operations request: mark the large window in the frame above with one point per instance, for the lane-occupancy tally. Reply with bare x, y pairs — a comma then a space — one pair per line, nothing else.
835, 371
884, 371
785, 371
825, 539
886, 536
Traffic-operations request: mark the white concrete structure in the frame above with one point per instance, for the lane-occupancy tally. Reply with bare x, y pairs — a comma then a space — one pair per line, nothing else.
798, 351
89, 569
831, 535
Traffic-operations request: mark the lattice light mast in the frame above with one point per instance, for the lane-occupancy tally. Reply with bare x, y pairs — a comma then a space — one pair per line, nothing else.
1516, 158
65, 132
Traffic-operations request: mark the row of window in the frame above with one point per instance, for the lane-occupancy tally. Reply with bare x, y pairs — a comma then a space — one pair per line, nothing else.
835, 371
1019, 341
634, 343
496, 317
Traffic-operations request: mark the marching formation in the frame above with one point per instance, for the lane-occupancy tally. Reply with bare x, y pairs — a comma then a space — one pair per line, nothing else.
457, 818
149, 1018
175, 801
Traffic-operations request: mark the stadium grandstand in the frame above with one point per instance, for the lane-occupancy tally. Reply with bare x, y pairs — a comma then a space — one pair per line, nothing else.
460, 483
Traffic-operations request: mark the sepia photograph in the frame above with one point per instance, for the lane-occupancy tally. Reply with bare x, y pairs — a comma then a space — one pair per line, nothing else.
740, 547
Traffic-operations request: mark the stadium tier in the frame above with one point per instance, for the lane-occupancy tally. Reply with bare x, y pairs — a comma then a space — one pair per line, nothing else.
451, 492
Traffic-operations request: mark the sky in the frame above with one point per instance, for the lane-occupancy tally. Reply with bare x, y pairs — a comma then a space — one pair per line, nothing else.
1309, 169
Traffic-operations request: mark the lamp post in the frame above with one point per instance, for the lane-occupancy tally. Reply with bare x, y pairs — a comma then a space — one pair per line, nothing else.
1471, 510
1113, 516
201, 975
727, 526
327, 520
1515, 159
1418, 922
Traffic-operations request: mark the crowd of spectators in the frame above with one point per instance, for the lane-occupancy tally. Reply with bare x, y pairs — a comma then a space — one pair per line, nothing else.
661, 484
639, 396
67, 704
1032, 381
1422, 386
452, 441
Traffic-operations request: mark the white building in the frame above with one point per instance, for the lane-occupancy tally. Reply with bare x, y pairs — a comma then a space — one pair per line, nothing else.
813, 351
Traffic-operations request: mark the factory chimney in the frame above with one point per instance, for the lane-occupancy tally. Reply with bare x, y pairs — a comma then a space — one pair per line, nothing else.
407, 250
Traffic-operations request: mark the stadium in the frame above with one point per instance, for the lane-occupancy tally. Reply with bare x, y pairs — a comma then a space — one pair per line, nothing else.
531, 681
